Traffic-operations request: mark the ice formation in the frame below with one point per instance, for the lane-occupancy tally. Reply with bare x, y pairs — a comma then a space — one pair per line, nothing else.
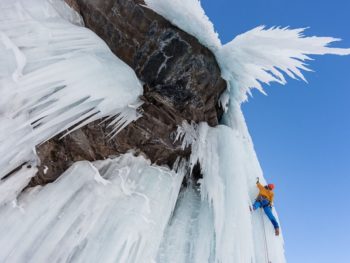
55, 75
259, 56
107, 211
190, 17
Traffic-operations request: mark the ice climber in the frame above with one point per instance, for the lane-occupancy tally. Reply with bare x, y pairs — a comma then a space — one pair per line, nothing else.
265, 201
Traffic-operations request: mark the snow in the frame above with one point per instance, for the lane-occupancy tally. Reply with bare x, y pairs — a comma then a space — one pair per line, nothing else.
57, 75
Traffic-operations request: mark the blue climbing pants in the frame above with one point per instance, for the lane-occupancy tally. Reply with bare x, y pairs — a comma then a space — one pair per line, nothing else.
264, 203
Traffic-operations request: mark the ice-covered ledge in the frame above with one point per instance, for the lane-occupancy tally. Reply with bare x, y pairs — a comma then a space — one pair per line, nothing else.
182, 81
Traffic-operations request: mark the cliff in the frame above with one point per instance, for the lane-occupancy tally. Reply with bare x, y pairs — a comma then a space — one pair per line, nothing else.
181, 82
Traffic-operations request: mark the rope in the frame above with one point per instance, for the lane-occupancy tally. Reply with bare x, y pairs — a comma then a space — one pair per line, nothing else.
266, 248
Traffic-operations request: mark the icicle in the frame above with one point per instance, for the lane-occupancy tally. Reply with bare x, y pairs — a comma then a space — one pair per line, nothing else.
58, 76
259, 56
114, 210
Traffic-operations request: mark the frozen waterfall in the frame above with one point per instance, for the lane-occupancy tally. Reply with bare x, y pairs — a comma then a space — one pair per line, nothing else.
57, 75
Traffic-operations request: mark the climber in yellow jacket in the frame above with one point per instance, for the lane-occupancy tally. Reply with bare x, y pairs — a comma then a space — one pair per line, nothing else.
266, 191
265, 201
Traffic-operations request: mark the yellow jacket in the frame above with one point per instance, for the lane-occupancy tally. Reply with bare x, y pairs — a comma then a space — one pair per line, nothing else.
268, 194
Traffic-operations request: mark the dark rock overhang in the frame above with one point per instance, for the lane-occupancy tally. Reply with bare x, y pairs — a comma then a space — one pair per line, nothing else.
182, 81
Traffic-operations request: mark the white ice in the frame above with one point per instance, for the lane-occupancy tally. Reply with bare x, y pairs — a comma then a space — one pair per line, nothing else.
54, 75
264, 55
261, 55
190, 17
109, 211
226, 153
230, 168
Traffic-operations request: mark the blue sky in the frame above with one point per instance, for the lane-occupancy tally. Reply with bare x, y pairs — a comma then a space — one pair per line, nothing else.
301, 131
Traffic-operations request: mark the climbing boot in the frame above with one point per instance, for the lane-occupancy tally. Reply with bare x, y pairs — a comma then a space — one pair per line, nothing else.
277, 231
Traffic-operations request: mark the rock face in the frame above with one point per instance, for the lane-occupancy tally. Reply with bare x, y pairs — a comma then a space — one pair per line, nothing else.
181, 82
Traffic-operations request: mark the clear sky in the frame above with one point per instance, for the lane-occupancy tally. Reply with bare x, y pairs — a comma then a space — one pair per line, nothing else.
301, 131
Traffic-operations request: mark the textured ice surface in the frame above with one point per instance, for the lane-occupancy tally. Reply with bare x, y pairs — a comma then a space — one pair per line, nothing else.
66, 12
230, 168
54, 75
190, 17
262, 55
258, 56
189, 236
108, 211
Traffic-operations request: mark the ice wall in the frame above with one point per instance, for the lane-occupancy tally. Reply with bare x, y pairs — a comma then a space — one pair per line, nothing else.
230, 168
54, 75
226, 153
107, 211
